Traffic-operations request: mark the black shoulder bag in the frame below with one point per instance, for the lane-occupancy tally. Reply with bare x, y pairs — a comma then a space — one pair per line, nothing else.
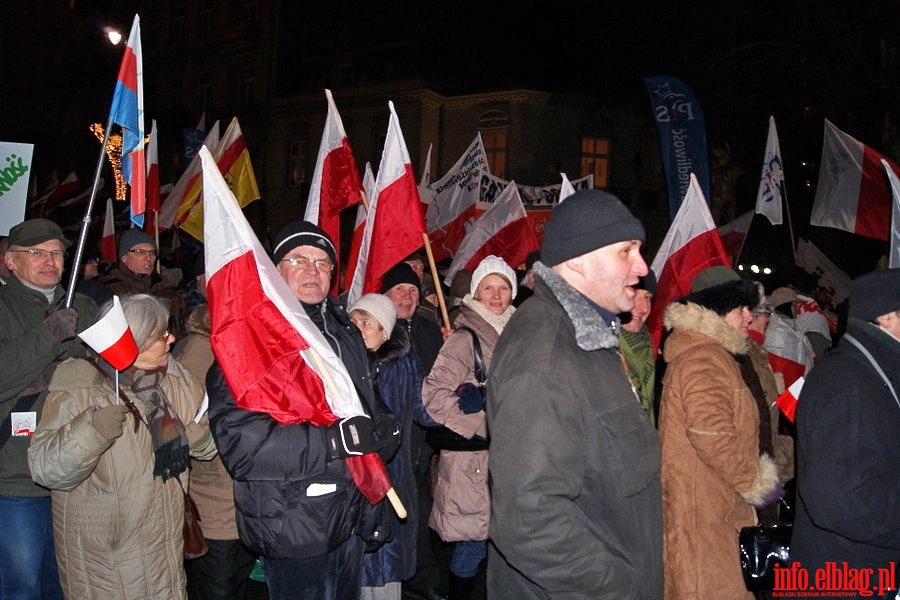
444, 438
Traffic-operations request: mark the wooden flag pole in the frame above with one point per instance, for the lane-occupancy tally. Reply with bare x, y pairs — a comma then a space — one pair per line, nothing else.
437, 282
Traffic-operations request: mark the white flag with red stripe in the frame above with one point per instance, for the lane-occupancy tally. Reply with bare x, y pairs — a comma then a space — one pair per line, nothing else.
734, 233
787, 400
503, 230
359, 227
691, 245
108, 239
790, 352
853, 193
111, 338
189, 183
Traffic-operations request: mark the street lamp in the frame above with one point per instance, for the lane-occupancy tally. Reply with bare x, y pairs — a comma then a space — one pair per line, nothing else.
113, 35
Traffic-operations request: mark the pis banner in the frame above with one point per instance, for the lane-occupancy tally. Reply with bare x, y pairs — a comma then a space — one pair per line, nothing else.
15, 172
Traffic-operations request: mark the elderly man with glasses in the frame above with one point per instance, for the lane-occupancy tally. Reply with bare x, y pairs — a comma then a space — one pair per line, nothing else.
135, 274
36, 334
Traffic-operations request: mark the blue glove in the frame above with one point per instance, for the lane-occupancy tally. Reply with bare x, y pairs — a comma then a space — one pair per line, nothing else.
471, 400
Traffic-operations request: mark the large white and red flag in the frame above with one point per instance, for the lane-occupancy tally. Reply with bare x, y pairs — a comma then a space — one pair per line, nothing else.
790, 351
108, 239
188, 185
452, 200
153, 202
359, 226
691, 245
770, 197
394, 223
853, 193
273, 357
894, 257
335, 182
503, 230
733, 235
55, 193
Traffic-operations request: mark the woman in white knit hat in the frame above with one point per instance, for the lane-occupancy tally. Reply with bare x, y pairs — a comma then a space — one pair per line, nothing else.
452, 397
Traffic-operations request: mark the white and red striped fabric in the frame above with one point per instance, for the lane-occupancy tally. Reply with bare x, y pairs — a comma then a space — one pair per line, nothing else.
359, 227
188, 184
790, 352
108, 239
787, 400
111, 338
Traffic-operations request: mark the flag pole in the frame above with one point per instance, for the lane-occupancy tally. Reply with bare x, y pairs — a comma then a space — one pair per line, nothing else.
86, 220
156, 237
437, 282
328, 380
787, 212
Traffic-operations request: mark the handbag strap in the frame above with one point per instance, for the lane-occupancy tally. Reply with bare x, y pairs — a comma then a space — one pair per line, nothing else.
480, 371
874, 364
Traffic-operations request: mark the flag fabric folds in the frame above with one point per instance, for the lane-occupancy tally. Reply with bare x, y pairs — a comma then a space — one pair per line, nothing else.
733, 235
769, 198
787, 400
335, 182
111, 338
503, 230
55, 193
790, 351
691, 245
852, 193
359, 227
566, 188
153, 170
394, 224
894, 257
108, 239
127, 111
273, 357
187, 188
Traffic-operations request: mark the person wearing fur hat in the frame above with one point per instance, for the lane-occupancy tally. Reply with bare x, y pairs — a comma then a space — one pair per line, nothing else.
135, 274
637, 347
294, 474
397, 379
574, 460
848, 416
452, 397
717, 464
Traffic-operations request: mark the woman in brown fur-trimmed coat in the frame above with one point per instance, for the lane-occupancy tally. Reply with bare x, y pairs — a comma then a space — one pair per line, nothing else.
716, 463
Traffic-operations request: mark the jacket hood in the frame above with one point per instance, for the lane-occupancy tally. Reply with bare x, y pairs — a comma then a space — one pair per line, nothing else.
591, 332
693, 317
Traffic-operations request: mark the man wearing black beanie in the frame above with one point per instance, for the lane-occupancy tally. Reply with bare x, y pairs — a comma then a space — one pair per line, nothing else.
576, 501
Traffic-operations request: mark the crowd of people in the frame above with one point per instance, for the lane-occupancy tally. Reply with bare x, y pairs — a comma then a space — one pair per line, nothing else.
605, 467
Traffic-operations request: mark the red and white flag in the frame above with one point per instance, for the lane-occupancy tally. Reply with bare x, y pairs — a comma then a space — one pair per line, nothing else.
187, 185
111, 338
787, 400
394, 223
335, 182
359, 227
691, 245
452, 200
54, 194
153, 170
108, 239
273, 357
853, 193
894, 258
424, 182
734, 233
770, 197
503, 230
790, 352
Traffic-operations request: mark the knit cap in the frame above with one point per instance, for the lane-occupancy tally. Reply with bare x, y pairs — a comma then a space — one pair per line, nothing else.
399, 273
131, 238
380, 307
874, 294
302, 233
493, 265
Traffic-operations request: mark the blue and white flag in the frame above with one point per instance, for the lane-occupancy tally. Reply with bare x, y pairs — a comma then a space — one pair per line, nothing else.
682, 137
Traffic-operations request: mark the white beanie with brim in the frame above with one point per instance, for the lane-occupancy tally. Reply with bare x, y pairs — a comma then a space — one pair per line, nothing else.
492, 265
380, 307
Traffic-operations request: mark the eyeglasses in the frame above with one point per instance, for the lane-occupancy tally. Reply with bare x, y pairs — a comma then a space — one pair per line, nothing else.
141, 252
762, 312
41, 254
323, 265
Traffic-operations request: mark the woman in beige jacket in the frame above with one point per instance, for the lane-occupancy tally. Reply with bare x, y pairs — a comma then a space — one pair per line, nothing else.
118, 509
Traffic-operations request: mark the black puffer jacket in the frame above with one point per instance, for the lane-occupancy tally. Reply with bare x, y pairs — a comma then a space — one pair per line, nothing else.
291, 501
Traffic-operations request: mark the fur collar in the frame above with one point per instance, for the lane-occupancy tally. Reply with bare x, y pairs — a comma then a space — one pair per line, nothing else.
591, 332
396, 346
693, 317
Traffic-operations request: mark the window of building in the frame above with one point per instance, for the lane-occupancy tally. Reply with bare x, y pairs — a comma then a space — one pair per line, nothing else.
494, 126
595, 160
297, 163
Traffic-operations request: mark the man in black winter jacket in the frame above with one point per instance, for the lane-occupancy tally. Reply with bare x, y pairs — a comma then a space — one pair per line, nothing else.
296, 504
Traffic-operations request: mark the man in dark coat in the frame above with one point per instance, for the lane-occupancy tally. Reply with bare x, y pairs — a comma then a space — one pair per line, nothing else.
848, 467
297, 506
576, 505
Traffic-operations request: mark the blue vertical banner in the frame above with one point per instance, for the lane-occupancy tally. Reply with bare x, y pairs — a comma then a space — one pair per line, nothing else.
682, 137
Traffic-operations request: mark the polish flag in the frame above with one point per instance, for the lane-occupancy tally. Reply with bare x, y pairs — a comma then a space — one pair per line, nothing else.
733, 235
452, 200
335, 182
359, 227
787, 400
853, 193
503, 230
894, 258
108, 239
691, 245
273, 357
188, 185
771, 182
111, 338
153, 170
394, 224
790, 352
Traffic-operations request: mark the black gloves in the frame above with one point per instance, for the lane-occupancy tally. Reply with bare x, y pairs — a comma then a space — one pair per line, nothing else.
61, 323
471, 400
360, 435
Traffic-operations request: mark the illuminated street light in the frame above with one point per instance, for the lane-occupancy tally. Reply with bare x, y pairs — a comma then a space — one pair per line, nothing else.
114, 35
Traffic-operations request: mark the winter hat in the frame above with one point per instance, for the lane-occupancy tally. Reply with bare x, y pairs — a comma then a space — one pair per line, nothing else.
647, 282
782, 295
36, 231
714, 276
725, 297
875, 294
131, 238
493, 265
302, 233
399, 273
587, 220
380, 307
